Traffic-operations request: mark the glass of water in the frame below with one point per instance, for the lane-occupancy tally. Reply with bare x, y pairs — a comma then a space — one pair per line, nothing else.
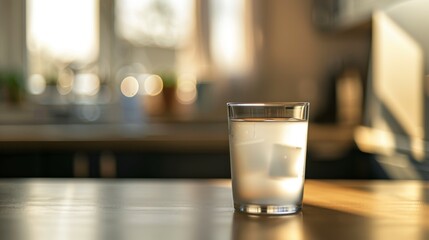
268, 145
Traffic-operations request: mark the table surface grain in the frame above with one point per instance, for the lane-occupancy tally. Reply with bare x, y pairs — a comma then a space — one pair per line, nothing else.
202, 209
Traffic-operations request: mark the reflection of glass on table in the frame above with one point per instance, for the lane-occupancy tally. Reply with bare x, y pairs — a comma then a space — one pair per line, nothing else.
247, 227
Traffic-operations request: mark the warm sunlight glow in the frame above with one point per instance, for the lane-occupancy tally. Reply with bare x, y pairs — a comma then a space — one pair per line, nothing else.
366, 202
65, 30
291, 185
398, 67
152, 22
228, 34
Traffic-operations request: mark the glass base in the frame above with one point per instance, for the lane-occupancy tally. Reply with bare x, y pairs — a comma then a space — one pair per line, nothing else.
267, 209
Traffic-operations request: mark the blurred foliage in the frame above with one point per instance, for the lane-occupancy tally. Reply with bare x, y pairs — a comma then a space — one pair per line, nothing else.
169, 79
11, 86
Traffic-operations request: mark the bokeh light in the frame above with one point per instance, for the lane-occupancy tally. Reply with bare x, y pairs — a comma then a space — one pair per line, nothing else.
186, 91
65, 81
86, 84
129, 86
153, 85
36, 84
89, 113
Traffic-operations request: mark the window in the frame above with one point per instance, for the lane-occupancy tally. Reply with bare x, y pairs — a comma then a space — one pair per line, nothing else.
82, 51
62, 39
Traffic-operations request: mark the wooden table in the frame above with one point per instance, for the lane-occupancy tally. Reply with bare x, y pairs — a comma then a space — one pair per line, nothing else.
202, 209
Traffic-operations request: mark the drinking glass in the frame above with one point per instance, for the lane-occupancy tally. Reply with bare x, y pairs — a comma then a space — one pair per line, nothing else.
268, 144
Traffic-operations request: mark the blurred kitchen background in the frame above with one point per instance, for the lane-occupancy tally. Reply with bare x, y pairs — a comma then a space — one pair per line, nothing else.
138, 88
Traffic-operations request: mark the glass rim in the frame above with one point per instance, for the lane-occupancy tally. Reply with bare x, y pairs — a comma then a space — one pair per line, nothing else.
266, 104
